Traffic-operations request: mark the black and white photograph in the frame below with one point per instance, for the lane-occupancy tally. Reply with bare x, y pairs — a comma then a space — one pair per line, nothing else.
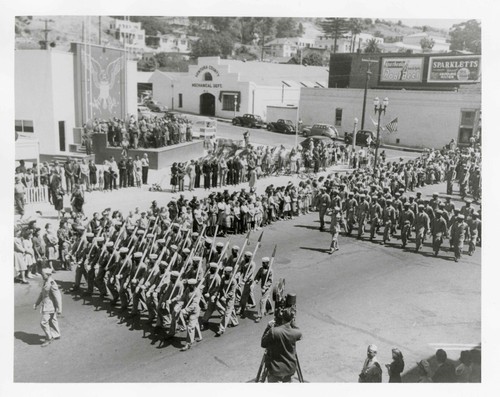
212, 195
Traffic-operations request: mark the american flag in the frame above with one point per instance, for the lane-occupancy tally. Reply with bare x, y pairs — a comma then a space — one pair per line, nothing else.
392, 126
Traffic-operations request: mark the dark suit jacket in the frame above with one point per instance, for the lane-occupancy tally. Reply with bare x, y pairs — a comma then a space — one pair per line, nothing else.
280, 344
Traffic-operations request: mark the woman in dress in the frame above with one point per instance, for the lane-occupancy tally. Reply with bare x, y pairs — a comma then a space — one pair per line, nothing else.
19, 262
173, 178
29, 253
92, 175
396, 367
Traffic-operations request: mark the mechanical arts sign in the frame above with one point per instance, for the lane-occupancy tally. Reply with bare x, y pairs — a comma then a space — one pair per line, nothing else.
404, 70
454, 69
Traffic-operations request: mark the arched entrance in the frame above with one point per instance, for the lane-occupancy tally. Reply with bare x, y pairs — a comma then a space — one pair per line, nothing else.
207, 104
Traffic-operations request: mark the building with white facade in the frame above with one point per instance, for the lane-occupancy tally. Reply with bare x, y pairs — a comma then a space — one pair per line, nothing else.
347, 43
55, 96
225, 88
130, 34
171, 43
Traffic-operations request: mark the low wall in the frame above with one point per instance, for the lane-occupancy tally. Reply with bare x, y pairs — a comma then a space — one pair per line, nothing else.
158, 158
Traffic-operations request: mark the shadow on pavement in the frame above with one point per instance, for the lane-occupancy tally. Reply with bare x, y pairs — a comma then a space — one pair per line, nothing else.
322, 250
307, 227
413, 374
29, 339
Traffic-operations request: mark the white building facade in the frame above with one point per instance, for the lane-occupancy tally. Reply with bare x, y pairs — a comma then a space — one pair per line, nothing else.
225, 88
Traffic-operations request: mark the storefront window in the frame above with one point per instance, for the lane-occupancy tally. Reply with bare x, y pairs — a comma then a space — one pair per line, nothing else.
228, 102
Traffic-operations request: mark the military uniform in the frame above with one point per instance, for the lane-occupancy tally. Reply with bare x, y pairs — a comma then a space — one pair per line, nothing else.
51, 304
422, 224
264, 277
324, 203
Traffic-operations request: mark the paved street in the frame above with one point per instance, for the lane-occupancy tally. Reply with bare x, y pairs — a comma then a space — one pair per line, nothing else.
365, 293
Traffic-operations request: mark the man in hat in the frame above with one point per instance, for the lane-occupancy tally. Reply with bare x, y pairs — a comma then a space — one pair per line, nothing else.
350, 208
245, 284
439, 231
458, 232
389, 219
279, 342
227, 297
335, 226
51, 305
264, 277
82, 257
323, 203
363, 211
105, 258
168, 308
408, 219
190, 313
371, 371
211, 284
474, 224
422, 225
375, 216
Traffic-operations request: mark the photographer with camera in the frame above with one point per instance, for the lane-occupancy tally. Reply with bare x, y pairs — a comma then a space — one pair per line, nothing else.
279, 341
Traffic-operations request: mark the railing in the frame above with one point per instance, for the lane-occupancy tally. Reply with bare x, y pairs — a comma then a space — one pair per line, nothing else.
36, 195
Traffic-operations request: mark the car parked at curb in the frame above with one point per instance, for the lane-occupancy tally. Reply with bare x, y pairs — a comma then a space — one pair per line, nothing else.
249, 120
321, 129
283, 126
362, 138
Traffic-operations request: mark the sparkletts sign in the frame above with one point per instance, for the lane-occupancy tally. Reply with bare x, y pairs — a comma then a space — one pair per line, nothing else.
407, 70
455, 69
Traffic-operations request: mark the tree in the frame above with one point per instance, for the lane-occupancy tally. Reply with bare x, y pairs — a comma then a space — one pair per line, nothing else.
335, 28
213, 45
372, 47
300, 30
466, 36
313, 59
427, 43
171, 62
286, 27
147, 65
355, 25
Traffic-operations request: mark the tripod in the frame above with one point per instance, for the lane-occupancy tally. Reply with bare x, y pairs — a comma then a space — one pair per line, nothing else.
262, 373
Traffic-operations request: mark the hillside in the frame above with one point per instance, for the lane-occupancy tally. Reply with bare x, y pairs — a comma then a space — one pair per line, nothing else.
65, 29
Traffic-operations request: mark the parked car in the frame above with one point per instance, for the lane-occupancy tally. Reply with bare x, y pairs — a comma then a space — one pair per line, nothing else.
361, 138
155, 106
283, 126
321, 130
249, 120
143, 111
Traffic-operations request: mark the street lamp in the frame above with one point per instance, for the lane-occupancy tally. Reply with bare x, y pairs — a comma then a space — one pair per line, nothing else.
235, 103
378, 109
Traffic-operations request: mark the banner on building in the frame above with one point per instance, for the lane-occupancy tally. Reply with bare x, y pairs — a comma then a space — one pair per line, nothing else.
407, 70
102, 77
455, 69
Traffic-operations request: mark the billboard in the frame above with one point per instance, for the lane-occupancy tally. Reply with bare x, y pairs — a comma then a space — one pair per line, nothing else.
404, 70
454, 69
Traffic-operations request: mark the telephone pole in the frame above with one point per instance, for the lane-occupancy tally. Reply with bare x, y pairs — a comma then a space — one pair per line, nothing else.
45, 42
368, 74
